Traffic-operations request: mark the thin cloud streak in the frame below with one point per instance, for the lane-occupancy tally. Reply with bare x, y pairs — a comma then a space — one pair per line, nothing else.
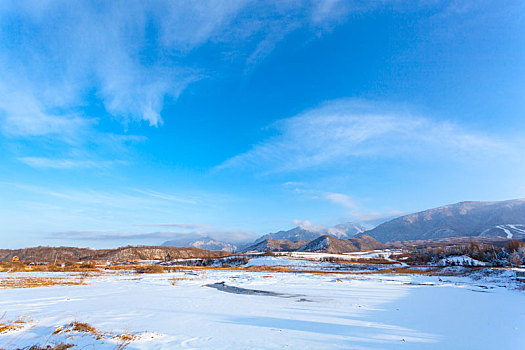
133, 198
346, 130
112, 235
178, 225
165, 196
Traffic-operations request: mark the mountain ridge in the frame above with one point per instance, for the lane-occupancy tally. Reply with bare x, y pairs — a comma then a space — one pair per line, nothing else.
344, 230
467, 218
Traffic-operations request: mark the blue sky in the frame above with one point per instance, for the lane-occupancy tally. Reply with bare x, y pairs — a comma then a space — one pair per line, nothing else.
132, 122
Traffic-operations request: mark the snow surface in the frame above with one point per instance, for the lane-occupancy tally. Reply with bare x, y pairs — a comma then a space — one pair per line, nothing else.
280, 261
321, 311
506, 230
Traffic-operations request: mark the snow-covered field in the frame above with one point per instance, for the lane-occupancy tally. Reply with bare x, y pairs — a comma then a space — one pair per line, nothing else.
303, 311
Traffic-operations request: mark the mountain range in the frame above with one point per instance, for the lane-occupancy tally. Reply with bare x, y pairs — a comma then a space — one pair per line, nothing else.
206, 243
324, 244
504, 219
309, 233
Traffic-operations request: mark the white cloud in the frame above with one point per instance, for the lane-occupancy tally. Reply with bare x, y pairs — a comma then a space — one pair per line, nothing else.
322, 229
293, 184
345, 130
25, 116
341, 199
355, 210
307, 225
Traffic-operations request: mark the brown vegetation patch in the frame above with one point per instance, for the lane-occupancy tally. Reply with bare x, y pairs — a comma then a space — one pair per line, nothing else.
61, 255
66, 267
150, 269
33, 282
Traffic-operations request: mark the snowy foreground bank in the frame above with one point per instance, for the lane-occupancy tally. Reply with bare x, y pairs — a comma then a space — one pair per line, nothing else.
220, 309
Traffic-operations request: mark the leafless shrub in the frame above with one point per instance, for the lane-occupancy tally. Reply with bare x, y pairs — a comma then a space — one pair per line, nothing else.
513, 246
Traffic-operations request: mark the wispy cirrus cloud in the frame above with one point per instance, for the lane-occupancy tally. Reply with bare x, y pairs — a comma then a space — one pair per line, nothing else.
126, 59
102, 48
25, 116
165, 196
353, 207
355, 210
39, 162
343, 131
132, 198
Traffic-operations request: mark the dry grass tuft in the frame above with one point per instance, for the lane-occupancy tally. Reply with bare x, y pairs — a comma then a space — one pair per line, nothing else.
84, 327
62, 346
11, 325
81, 327
125, 339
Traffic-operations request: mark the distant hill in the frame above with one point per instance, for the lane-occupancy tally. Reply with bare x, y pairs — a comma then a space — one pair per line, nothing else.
62, 254
206, 243
295, 234
465, 219
333, 245
275, 245
365, 242
329, 244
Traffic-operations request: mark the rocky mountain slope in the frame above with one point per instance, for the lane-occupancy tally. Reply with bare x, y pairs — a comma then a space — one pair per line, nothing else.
365, 242
464, 219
